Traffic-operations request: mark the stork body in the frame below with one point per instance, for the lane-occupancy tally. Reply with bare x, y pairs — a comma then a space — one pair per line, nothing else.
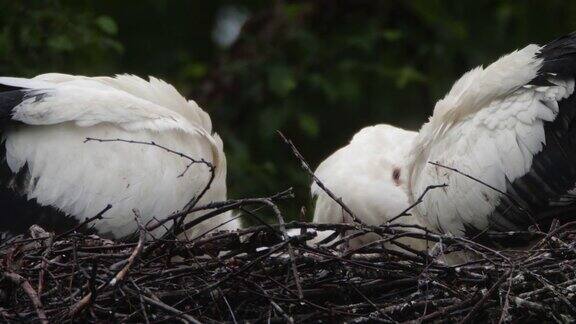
51, 175
366, 175
511, 128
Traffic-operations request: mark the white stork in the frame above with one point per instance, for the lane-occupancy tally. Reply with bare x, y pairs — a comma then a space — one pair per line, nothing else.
50, 174
509, 131
503, 140
366, 174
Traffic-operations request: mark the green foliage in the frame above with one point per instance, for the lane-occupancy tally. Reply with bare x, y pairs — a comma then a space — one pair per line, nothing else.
45, 36
107, 25
317, 70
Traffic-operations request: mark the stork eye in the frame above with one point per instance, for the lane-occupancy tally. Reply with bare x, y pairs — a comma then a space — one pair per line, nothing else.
396, 176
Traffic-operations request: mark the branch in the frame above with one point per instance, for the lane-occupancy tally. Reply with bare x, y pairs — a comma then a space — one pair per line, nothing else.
286, 239
27, 287
85, 222
194, 200
307, 168
219, 208
137, 250
416, 203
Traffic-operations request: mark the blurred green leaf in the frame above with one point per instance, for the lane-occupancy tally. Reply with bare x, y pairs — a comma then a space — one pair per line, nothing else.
392, 35
323, 86
348, 89
107, 25
293, 10
61, 43
407, 75
195, 70
309, 125
281, 80
271, 120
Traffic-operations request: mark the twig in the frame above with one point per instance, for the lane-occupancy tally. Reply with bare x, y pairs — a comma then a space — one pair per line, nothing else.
44, 264
307, 168
506, 306
120, 276
154, 144
27, 287
211, 168
474, 311
218, 208
416, 203
85, 222
282, 312
159, 304
290, 248
516, 203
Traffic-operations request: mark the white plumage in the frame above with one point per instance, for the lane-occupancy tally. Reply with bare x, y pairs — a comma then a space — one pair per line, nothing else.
45, 140
362, 174
492, 125
509, 126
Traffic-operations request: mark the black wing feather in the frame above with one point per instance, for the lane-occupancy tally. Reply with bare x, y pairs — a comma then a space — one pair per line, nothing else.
553, 170
17, 212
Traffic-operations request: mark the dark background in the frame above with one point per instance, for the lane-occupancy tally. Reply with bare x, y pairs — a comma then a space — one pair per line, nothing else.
317, 70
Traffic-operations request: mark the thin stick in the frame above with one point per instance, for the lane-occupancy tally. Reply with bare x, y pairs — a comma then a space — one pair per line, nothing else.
290, 248
416, 203
120, 276
44, 263
219, 208
27, 287
85, 222
517, 204
307, 168
169, 309
211, 168
474, 310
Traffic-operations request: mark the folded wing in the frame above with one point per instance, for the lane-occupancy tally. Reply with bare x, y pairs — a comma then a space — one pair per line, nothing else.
47, 162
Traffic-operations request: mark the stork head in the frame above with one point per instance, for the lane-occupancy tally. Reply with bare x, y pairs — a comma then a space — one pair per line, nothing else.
394, 145
370, 176
377, 157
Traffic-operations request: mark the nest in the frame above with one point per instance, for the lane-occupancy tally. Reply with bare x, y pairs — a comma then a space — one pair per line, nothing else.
272, 272
261, 274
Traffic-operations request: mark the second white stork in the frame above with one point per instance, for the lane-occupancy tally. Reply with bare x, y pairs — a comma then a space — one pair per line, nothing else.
503, 141
509, 130
52, 176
